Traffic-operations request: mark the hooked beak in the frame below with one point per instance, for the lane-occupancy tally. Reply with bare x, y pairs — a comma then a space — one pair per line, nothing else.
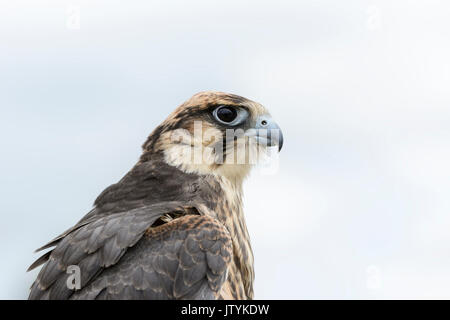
267, 132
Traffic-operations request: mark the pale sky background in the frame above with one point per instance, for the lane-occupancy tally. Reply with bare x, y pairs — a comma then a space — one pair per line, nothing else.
360, 206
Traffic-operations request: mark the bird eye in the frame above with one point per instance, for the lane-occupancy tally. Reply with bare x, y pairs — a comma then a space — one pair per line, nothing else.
230, 115
226, 114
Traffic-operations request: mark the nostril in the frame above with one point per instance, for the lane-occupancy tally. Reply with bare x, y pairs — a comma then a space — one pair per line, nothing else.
264, 122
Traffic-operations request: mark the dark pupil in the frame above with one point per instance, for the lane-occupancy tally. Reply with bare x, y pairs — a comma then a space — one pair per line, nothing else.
226, 114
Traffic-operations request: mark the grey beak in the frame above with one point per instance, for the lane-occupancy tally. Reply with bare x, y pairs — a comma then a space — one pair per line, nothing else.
268, 132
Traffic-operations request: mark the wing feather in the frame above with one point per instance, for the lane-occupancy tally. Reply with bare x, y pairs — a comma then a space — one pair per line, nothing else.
96, 244
170, 262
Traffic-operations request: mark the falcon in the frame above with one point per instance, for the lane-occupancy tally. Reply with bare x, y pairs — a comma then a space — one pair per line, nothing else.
173, 227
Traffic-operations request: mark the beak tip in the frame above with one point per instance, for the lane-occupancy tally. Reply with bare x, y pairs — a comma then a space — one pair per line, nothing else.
280, 142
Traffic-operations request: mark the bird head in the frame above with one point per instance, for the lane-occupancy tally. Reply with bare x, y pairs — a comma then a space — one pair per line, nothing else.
215, 133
